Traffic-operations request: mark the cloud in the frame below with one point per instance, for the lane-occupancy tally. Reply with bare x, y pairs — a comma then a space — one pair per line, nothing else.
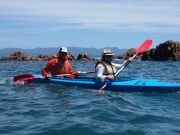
141, 15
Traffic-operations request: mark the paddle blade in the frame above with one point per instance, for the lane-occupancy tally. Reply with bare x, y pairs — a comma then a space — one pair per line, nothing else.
27, 78
144, 46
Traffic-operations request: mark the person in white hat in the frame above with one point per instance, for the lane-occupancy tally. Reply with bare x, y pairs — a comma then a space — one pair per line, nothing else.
59, 65
105, 68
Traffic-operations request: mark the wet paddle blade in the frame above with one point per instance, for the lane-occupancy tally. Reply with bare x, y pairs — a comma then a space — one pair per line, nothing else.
144, 46
24, 78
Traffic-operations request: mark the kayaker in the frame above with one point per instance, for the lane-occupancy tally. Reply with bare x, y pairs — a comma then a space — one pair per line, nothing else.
105, 68
59, 65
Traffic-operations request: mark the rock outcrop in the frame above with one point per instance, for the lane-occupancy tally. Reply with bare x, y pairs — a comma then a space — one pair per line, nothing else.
18, 55
43, 57
169, 50
130, 53
21, 56
71, 56
84, 56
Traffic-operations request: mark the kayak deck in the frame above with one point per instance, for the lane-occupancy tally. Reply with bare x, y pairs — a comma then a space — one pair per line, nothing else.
122, 85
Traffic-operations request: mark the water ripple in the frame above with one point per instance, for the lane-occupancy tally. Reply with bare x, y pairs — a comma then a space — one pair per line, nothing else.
53, 109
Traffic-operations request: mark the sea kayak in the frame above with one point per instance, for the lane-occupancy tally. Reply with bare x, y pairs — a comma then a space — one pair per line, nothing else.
120, 85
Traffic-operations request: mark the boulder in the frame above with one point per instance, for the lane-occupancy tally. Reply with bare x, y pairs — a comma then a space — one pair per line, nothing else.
169, 50
70, 56
21, 56
18, 55
84, 57
130, 53
44, 57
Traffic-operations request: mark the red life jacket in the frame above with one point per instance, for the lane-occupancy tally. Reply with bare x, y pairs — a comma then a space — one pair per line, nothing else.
57, 67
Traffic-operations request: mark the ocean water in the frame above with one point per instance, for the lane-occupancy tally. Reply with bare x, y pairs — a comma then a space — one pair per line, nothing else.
51, 109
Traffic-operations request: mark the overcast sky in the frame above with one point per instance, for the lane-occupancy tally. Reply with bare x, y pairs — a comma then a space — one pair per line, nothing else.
87, 23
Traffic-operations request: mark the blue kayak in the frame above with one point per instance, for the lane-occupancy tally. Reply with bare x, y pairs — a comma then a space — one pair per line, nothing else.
121, 85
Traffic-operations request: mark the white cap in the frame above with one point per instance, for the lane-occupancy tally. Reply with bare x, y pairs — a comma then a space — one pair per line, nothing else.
63, 49
107, 52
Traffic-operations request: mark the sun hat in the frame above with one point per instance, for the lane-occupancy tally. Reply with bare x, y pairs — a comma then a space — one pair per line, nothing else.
107, 52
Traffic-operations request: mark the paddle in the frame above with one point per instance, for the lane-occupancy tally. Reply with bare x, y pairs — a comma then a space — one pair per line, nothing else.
61, 75
143, 47
28, 78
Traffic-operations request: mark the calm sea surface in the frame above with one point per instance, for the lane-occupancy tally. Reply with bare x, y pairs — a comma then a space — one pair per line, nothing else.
49, 109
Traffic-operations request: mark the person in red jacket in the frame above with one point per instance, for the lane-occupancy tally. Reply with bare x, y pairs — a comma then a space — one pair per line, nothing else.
59, 65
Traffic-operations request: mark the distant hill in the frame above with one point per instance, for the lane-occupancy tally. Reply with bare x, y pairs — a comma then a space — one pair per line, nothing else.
49, 51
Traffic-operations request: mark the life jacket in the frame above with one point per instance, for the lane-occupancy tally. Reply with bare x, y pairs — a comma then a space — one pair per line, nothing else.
109, 68
57, 67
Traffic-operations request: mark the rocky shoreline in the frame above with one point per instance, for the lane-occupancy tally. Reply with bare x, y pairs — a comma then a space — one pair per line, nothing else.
169, 50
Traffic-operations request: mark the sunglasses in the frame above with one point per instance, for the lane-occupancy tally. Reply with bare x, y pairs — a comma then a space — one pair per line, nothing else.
108, 56
63, 53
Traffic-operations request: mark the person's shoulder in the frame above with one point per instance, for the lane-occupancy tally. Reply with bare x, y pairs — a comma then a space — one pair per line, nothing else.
55, 56
52, 61
100, 65
113, 63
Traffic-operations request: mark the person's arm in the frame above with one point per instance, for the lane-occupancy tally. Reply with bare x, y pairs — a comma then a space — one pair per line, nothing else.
120, 65
45, 71
99, 73
72, 73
